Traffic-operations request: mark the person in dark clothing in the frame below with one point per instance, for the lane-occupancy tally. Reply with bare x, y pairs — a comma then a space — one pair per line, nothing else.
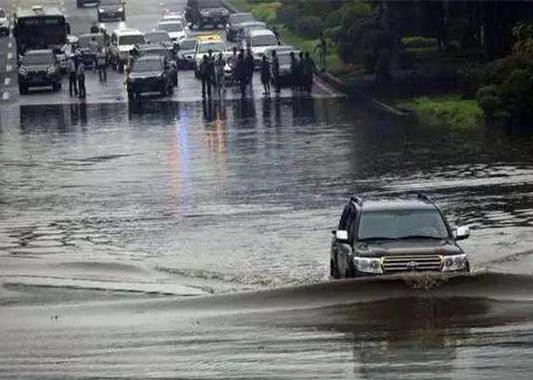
241, 72
101, 64
204, 76
72, 80
294, 71
81, 79
250, 65
275, 71
276, 33
308, 67
300, 71
211, 70
94, 28
265, 75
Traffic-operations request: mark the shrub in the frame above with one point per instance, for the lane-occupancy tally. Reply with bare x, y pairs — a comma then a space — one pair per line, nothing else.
265, 12
309, 26
334, 19
287, 16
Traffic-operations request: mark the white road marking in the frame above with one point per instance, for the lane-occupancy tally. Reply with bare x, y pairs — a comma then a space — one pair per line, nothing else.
5, 95
9, 68
7, 81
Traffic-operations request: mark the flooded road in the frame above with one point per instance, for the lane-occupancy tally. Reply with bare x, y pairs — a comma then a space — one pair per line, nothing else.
115, 218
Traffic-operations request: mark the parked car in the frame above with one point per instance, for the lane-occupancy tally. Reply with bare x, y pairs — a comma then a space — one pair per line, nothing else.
175, 29
4, 23
111, 10
38, 68
186, 51
160, 51
234, 22
397, 235
122, 42
258, 41
206, 12
149, 74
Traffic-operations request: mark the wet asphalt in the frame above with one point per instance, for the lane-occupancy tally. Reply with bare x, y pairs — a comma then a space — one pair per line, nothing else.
114, 218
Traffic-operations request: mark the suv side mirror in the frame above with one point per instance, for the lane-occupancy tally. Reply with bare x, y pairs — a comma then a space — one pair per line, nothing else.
461, 233
341, 235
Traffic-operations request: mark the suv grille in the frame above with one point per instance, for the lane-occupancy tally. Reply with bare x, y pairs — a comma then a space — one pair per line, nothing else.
412, 263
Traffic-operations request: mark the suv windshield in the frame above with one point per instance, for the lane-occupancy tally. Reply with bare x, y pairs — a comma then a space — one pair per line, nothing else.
401, 224
266, 40
137, 39
38, 59
144, 65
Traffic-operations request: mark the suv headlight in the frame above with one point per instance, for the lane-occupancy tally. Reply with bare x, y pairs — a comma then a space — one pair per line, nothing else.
368, 265
454, 263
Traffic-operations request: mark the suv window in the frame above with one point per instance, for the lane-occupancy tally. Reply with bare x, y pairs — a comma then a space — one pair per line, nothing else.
398, 224
147, 65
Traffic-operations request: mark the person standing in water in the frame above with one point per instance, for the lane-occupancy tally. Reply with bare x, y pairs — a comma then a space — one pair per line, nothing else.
265, 75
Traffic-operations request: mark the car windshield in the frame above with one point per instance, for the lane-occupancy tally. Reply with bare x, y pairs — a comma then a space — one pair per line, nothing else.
401, 224
188, 44
237, 19
214, 46
38, 59
264, 40
110, 2
157, 37
144, 65
136, 39
170, 26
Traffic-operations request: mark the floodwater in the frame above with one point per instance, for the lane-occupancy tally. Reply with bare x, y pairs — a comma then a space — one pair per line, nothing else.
190, 240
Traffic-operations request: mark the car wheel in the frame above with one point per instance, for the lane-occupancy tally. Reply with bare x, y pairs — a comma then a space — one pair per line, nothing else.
350, 271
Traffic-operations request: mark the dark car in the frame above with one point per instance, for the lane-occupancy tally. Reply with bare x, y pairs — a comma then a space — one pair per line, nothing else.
149, 74
206, 12
39, 68
186, 53
111, 10
84, 3
234, 22
161, 51
396, 235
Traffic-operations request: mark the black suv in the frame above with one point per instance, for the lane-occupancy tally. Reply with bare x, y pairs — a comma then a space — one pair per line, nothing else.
111, 10
39, 68
206, 12
165, 53
149, 74
399, 235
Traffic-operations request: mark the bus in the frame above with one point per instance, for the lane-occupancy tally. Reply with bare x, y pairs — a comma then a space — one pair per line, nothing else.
40, 28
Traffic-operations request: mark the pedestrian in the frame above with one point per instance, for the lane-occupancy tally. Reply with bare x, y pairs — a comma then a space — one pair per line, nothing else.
204, 76
299, 71
265, 75
308, 69
211, 68
276, 33
322, 47
72, 79
94, 28
101, 64
81, 79
241, 72
294, 70
250, 66
219, 72
131, 60
275, 71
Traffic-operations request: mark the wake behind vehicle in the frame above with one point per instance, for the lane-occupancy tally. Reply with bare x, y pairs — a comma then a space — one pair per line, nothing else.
398, 235
109, 10
122, 43
206, 12
39, 68
149, 74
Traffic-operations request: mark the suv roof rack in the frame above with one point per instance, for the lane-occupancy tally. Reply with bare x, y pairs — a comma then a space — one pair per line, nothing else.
422, 196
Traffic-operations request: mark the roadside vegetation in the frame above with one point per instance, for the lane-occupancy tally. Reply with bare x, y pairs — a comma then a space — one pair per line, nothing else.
438, 57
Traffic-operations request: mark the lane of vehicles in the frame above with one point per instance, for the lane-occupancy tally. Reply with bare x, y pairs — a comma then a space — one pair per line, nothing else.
399, 235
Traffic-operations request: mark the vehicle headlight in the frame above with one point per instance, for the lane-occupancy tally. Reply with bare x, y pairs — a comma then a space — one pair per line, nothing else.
454, 263
100, 10
51, 70
121, 9
204, 12
368, 265
23, 70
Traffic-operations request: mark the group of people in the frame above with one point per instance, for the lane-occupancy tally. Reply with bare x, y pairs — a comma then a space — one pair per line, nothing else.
242, 64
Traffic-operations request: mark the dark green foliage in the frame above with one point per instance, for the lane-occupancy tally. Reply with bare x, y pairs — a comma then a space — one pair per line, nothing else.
309, 26
287, 15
